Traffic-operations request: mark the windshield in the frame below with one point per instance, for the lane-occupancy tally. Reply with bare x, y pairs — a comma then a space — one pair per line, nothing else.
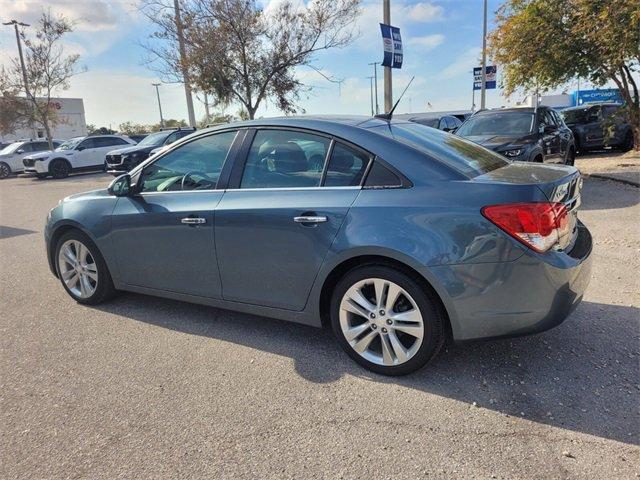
70, 144
429, 122
12, 147
154, 139
575, 116
499, 123
463, 155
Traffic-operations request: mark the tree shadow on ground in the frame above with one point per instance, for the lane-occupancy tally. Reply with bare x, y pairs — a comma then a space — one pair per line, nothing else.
580, 376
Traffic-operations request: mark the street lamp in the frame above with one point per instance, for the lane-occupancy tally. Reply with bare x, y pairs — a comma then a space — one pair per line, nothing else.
17, 24
159, 104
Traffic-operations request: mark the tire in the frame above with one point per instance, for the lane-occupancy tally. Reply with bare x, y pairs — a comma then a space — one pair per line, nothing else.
42, 176
626, 145
570, 158
5, 170
99, 286
388, 327
59, 168
538, 159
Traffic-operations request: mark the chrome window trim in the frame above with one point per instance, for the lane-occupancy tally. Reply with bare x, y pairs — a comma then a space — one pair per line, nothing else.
277, 189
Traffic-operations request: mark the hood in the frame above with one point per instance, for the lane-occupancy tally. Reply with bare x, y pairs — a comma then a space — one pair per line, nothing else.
132, 149
500, 142
45, 154
92, 194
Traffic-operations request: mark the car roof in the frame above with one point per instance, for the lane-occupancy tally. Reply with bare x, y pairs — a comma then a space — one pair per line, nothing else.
593, 104
511, 110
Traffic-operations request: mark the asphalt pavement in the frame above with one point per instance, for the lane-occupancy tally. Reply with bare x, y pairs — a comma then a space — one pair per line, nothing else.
143, 387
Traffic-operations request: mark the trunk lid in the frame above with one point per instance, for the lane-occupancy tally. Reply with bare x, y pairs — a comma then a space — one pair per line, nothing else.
559, 183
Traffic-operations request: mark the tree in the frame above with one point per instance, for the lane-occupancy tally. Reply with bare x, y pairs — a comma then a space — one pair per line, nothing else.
544, 44
48, 70
245, 55
130, 128
11, 117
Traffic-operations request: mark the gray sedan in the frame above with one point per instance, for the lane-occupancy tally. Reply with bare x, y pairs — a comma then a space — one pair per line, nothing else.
395, 235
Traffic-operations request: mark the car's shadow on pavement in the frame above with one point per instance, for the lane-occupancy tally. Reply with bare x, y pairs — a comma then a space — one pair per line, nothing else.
596, 196
581, 376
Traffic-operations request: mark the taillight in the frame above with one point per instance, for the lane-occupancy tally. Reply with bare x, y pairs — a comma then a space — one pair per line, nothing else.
537, 225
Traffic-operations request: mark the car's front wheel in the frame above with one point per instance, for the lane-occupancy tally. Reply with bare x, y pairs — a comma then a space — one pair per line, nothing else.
59, 168
5, 170
82, 269
386, 320
570, 158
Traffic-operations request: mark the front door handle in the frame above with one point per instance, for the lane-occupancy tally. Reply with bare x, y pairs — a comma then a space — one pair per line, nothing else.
193, 220
310, 219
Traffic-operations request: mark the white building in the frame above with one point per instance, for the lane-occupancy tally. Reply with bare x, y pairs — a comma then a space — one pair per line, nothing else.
71, 122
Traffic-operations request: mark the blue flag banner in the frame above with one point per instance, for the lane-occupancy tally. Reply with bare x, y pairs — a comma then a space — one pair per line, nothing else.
491, 77
392, 43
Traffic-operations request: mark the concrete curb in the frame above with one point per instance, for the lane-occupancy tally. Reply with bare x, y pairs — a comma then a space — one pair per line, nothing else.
613, 179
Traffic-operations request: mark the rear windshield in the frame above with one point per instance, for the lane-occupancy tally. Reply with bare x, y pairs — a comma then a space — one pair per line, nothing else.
462, 155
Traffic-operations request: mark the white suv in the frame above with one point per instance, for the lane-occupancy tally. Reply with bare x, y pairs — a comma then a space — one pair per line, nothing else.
11, 156
78, 154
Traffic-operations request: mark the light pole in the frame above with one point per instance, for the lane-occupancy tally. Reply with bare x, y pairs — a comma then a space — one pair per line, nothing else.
183, 57
388, 92
25, 80
484, 58
375, 83
159, 104
371, 92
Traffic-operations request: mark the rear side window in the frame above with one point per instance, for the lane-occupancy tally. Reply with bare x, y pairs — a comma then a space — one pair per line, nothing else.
285, 159
381, 177
346, 167
458, 153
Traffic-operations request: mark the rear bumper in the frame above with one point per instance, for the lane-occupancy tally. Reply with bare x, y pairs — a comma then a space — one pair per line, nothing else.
529, 295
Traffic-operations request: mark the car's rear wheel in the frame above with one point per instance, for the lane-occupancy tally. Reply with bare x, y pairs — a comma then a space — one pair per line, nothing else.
628, 142
386, 321
538, 159
5, 170
82, 269
59, 168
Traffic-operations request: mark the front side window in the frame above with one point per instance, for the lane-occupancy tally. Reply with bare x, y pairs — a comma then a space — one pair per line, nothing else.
70, 144
41, 146
87, 143
285, 159
346, 167
193, 166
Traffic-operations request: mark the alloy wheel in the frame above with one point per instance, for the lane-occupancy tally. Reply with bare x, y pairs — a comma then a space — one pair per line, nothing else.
78, 268
4, 170
381, 322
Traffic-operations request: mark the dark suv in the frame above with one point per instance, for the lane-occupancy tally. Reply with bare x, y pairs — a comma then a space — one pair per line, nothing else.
598, 125
523, 134
124, 159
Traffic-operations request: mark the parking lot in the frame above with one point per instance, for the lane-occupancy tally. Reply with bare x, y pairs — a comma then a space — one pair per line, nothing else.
144, 387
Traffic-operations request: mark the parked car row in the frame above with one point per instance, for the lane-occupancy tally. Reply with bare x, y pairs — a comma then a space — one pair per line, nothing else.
539, 134
82, 154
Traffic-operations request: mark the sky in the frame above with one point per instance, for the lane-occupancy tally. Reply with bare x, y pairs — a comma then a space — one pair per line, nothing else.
442, 42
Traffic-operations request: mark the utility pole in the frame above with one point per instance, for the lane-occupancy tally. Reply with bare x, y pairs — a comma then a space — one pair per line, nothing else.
371, 91
483, 88
375, 84
159, 104
340, 82
388, 91
183, 58
25, 80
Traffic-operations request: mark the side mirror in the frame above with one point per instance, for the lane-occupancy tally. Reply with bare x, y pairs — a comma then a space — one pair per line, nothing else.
121, 186
446, 129
550, 128
80, 148
20, 150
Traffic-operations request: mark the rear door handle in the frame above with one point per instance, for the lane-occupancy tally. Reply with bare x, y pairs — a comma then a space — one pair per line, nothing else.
193, 220
310, 219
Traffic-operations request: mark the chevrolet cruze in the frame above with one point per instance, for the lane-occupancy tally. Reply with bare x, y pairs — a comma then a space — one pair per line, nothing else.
396, 235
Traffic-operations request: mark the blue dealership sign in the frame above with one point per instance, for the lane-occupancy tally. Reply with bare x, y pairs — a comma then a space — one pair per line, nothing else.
490, 77
605, 95
392, 43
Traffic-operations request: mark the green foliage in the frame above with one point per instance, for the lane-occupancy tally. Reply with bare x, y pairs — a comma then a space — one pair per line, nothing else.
546, 43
